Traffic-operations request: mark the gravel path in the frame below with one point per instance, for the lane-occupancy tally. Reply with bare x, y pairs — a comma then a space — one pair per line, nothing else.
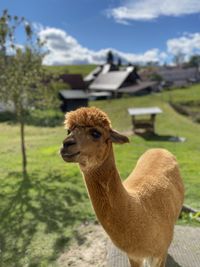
88, 250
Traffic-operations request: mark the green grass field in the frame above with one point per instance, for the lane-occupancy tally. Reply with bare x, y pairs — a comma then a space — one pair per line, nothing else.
75, 69
39, 215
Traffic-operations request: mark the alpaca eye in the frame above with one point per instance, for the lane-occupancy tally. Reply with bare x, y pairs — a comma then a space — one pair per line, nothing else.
68, 132
95, 134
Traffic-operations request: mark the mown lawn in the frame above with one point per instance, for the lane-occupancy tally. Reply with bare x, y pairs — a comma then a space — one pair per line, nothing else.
38, 216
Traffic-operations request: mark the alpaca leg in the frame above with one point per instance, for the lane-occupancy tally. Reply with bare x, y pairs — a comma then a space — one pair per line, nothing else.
154, 262
135, 263
158, 262
163, 261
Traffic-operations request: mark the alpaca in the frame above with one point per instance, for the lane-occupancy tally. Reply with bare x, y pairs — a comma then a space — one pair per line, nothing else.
139, 214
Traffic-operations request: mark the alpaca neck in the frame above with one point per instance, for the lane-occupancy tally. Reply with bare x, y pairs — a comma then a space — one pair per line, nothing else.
108, 195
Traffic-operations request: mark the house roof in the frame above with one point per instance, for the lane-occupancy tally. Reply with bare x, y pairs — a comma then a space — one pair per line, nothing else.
102, 69
73, 94
91, 76
110, 81
137, 87
106, 68
74, 80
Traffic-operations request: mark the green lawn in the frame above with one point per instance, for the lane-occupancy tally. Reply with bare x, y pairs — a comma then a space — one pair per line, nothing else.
39, 215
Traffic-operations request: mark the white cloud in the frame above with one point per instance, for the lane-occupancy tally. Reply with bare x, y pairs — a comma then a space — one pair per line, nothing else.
152, 9
187, 45
65, 49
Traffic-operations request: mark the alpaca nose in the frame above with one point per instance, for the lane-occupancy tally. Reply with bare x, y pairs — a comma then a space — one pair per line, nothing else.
68, 143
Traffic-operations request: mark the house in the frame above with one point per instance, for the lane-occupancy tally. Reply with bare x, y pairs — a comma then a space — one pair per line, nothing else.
142, 87
92, 75
120, 82
178, 76
72, 99
74, 80
102, 69
110, 81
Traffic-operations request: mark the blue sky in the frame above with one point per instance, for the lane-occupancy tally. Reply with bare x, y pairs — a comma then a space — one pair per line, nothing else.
82, 31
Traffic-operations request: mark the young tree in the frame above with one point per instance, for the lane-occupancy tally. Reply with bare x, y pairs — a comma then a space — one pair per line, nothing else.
194, 61
23, 81
110, 57
119, 62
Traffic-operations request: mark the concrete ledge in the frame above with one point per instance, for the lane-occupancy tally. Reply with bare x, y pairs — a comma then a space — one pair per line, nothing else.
183, 252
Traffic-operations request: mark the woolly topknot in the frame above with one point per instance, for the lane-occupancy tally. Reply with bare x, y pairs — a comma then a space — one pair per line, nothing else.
87, 117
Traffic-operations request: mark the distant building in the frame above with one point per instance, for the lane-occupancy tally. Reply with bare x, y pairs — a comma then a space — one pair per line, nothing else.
102, 69
74, 80
111, 81
73, 99
120, 81
177, 76
92, 75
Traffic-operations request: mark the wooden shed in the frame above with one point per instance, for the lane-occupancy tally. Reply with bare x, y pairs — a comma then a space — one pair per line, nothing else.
72, 99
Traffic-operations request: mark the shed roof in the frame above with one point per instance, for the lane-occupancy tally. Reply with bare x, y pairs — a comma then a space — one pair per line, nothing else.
73, 94
110, 81
144, 111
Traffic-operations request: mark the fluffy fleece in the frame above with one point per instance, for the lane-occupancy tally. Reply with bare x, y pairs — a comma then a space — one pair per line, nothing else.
87, 117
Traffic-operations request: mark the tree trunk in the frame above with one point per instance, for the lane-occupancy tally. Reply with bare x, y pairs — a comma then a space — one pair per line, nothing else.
23, 149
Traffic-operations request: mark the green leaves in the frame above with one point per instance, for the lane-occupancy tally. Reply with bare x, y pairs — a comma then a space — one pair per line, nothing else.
23, 80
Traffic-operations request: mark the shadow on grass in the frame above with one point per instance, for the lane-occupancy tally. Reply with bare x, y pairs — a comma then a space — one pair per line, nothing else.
148, 136
32, 207
44, 118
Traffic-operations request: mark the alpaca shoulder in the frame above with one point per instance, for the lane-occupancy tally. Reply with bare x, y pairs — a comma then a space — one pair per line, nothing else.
156, 168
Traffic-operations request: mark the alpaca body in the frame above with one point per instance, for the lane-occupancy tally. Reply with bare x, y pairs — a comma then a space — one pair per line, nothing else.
139, 214
157, 185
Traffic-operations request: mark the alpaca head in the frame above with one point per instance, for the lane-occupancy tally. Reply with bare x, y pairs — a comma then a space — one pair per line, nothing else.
90, 137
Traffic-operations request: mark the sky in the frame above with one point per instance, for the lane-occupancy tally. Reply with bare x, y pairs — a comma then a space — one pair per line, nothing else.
137, 31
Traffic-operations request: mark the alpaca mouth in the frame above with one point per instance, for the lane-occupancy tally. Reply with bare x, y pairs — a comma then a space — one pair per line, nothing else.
69, 155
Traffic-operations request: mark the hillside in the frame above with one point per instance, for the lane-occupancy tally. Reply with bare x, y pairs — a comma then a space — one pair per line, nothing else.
73, 69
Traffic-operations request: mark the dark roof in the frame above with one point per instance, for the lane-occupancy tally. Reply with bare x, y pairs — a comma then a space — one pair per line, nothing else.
137, 87
110, 81
73, 94
74, 80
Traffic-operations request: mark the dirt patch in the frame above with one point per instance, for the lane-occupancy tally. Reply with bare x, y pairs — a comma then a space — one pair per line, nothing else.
88, 248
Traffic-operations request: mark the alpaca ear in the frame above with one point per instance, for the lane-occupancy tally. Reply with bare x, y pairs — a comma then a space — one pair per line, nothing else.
118, 138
